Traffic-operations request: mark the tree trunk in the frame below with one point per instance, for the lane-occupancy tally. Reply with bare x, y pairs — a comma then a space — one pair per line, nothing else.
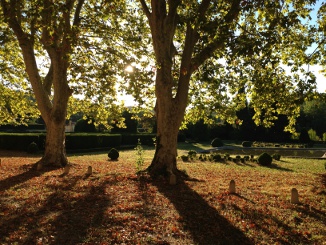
55, 117
169, 114
55, 152
164, 161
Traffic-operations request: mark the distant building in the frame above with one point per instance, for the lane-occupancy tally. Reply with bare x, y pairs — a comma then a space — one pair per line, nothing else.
70, 127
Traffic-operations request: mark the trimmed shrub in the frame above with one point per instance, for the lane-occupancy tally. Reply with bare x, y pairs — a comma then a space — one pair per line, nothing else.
192, 154
217, 142
113, 154
265, 159
276, 157
202, 157
246, 144
184, 158
217, 158
32, 148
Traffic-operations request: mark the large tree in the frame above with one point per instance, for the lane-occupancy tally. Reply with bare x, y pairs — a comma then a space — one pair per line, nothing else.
58, 41
207, 50
54, 27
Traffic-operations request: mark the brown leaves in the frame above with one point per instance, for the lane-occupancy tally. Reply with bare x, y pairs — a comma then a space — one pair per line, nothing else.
115, 206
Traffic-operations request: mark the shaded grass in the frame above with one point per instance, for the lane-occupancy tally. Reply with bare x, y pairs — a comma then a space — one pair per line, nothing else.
116, 206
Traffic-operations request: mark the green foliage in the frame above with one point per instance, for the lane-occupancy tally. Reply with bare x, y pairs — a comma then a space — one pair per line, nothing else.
265, 159
130, 124
113, 154
312, 135
32, 148
217, 142
246, 144
313, 114
83, 125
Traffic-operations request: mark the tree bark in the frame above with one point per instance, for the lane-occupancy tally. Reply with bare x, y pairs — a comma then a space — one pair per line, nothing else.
169, 113
55, 152
164, 161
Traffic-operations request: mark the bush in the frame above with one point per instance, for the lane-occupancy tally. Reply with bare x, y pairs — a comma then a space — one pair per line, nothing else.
246, 144
113, 154
192, 154
185, 158
265, 159
32, 148
217, 158
202, 157
217, 142
276, 157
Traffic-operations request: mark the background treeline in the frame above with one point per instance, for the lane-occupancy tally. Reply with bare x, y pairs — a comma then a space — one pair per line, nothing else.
310, 126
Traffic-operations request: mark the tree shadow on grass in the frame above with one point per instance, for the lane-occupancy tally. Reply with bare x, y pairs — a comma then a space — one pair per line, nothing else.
12, 153
82, 216
20, 178
64, 218
266, 222
277, 167
203, 222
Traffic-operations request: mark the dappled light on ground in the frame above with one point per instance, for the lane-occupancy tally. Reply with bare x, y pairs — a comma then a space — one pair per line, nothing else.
113, 205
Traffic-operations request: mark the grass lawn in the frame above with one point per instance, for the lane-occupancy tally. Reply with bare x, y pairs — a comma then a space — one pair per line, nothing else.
116, 206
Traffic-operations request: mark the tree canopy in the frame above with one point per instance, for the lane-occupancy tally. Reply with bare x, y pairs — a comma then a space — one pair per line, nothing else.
201, 59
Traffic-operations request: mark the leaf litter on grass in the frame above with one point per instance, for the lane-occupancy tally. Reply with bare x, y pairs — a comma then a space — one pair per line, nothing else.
116, 206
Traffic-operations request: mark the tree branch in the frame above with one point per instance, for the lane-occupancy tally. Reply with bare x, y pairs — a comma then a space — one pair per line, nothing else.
145, 8
219, 41
77, 13
203, 8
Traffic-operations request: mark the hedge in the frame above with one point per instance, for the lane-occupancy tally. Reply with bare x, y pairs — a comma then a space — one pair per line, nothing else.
132, 139
74, 141
20, 141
